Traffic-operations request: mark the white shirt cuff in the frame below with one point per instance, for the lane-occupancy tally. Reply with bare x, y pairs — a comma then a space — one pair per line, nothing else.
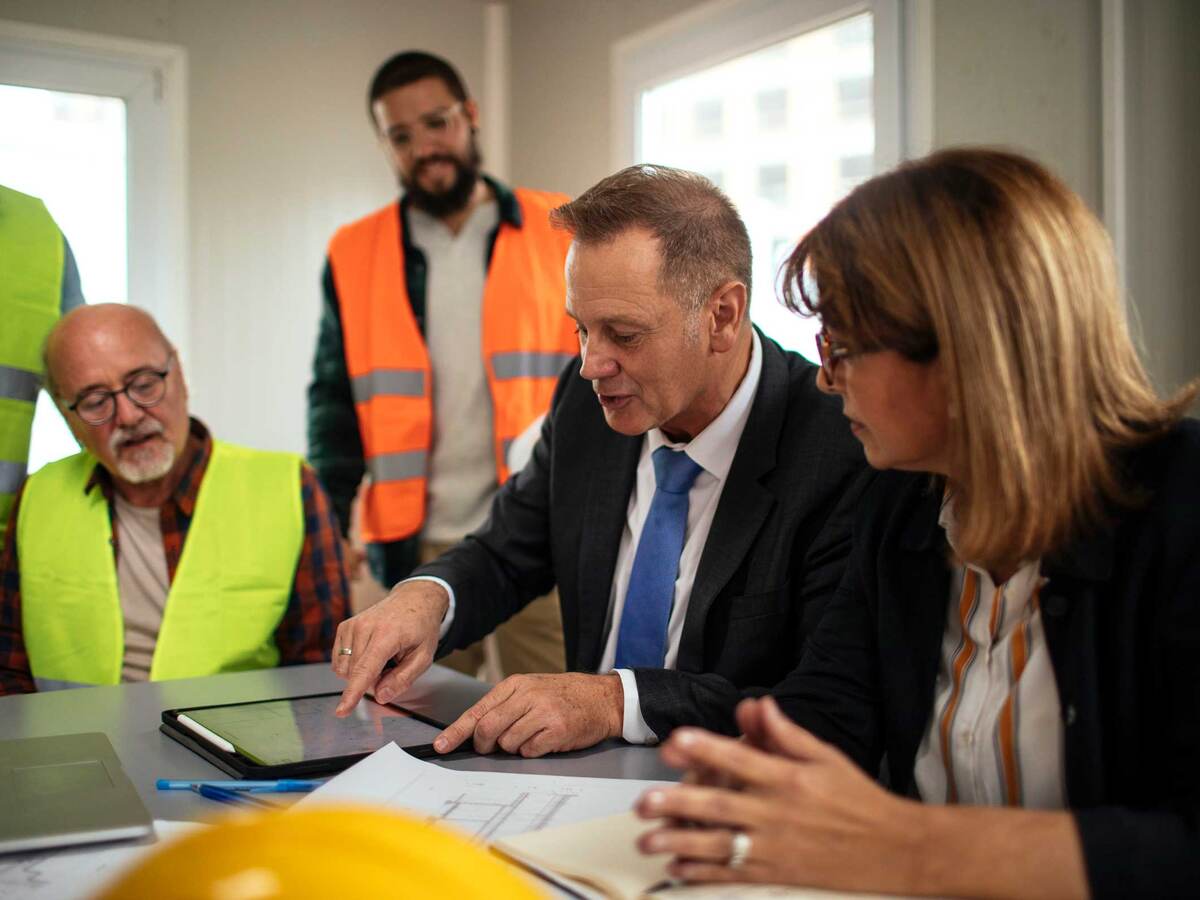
633, 727
448, 618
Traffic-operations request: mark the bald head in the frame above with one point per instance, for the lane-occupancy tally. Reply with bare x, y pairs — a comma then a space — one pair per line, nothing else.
116, 380
95, 332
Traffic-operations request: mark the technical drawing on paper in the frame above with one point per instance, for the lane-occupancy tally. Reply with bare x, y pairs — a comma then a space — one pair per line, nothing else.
486, 805
489, 817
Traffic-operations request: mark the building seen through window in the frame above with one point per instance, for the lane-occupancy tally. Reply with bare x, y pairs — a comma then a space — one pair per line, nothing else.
710, 118
773, 183
785, 131
854, 97
854, 170
772, 109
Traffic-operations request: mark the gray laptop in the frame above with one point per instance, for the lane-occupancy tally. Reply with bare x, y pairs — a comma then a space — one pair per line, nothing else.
66, 789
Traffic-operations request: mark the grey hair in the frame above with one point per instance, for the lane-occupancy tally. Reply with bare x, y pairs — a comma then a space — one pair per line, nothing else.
702, 240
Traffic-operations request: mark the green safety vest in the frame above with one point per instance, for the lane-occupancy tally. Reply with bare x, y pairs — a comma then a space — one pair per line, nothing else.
31, 267
230, 591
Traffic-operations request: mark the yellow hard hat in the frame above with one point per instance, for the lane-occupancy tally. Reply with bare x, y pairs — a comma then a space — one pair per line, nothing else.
338, 852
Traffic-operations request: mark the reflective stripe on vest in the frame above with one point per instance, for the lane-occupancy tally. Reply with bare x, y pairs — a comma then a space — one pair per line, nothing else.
229, 593
529, 365
31, 258
527, 339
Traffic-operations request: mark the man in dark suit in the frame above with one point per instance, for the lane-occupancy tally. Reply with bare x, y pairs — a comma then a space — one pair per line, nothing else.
690, 496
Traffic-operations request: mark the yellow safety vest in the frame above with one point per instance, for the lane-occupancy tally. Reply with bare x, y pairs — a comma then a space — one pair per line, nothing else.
31, 265
230, 591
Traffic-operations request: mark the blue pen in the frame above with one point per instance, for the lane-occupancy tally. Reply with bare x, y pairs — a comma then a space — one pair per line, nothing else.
238, 798
280, 786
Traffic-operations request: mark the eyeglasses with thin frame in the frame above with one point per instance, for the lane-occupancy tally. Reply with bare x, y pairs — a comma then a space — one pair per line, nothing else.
145, 388
435, 124
831, 353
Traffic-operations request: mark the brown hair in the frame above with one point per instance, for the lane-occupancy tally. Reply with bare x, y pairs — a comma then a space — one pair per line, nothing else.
986, 260
701, 238
408, 67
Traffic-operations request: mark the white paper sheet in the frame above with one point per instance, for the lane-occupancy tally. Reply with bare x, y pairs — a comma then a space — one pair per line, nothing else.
486, 805
79, 872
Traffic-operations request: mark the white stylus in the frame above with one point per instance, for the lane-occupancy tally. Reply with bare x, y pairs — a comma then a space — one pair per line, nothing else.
215, 739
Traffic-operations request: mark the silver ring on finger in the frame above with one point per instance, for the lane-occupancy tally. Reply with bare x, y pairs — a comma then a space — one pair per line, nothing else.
739, 850
345, 651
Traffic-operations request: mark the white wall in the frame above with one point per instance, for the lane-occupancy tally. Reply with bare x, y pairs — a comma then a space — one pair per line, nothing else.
562, 85
1162, 87
280, 153
1024, 74
1027, 73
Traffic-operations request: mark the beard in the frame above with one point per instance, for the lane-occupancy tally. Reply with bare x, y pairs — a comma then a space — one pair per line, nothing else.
455, 198
147, 462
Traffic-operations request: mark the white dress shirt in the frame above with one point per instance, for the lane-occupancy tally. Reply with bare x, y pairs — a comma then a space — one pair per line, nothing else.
995, 737
713, 450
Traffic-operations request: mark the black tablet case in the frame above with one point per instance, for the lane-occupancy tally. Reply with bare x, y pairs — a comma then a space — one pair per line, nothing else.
239, 766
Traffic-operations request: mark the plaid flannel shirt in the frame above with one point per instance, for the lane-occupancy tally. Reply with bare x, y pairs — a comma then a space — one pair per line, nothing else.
320, 593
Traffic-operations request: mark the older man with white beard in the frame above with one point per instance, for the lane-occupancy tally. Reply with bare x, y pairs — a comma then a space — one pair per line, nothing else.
158, 552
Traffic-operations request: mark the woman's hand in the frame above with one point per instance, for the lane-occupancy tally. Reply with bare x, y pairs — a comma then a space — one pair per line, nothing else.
813, 818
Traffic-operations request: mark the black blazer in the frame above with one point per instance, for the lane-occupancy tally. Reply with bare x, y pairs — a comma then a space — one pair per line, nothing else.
774, 556
1121, 612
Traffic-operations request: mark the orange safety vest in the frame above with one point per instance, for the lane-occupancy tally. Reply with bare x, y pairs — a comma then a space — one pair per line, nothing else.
527, 339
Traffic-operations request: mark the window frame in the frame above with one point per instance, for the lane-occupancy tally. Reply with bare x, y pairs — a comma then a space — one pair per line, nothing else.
726, 29
152, 80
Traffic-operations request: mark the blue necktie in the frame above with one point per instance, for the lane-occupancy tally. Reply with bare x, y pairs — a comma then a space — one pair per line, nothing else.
642, 640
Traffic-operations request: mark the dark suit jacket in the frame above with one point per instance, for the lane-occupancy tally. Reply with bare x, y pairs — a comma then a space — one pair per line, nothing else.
775, 553
1121, 612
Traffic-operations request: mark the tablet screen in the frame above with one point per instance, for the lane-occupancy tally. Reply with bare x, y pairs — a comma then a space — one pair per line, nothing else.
279, 732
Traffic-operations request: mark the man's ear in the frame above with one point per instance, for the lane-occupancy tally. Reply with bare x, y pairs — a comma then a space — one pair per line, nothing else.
727, 309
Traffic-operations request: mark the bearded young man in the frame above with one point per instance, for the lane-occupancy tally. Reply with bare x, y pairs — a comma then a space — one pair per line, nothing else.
158, 552
441, 337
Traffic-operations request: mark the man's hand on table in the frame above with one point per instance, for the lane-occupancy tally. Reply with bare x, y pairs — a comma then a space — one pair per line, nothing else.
532, 715
404, 626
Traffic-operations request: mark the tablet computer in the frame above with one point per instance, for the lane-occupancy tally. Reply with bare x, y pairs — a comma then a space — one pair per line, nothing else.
296, 737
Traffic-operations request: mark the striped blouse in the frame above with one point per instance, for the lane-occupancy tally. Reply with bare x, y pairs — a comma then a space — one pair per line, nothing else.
996, 736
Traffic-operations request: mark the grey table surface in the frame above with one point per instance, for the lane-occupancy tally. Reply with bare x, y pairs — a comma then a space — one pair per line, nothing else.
131, 713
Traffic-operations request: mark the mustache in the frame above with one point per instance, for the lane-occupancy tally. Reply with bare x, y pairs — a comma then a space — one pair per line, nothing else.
438, 158
146, 428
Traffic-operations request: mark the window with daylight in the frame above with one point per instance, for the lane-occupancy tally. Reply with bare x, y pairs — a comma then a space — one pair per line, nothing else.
76, 110
69, 150
772, 109
790, 126
773, 183
710, 118
854, 97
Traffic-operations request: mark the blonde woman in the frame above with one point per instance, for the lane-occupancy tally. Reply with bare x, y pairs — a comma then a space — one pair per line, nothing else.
1018, 634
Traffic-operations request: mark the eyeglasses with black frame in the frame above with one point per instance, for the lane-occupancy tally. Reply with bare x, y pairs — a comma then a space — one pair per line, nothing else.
145, 388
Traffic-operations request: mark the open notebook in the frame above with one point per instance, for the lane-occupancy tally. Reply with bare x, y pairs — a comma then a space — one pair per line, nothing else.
599, 858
